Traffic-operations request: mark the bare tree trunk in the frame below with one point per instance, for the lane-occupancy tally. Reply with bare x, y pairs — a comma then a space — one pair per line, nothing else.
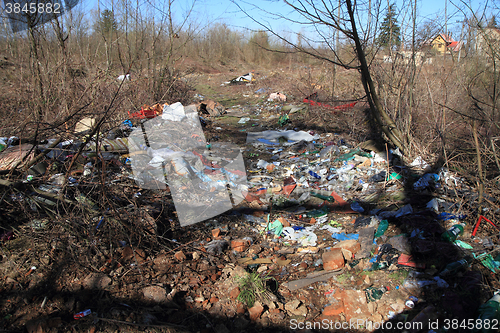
480, 183
38, 74
66, 93
390, 27
383, 119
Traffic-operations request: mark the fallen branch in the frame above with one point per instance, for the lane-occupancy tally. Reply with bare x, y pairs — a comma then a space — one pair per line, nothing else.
140, 325
41, 155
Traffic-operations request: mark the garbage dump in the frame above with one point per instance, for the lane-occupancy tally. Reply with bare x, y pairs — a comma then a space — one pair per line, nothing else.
333, 222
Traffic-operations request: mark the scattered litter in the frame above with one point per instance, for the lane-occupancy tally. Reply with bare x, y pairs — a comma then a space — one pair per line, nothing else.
419, 163
407, 260
82, 314
243, 120
488, 262
342, 236
272, 213
481, 217
246, 78
124, 77
277, 97
373, 294
426, 181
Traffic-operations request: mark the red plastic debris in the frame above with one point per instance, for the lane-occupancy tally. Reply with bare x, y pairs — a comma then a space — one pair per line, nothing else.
289, 185
82, 314
481, 217
407, 260
309, 100
144, 113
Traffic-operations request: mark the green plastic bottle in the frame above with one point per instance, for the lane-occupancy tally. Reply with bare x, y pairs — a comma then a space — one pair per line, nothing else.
489, 315
455, 266
452, 234
323, 197
382, 228
316, 213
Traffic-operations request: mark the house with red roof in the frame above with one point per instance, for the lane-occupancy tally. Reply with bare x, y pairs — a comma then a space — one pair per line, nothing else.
444, 44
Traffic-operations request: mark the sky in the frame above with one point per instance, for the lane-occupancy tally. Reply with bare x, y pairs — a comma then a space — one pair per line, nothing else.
207, 12
226, 11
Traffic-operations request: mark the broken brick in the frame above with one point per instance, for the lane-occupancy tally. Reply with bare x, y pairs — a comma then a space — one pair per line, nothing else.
350, 245
234, 293
215, 233
333, 259
355, 305
255, 311
240, 245
180, 256
334, 309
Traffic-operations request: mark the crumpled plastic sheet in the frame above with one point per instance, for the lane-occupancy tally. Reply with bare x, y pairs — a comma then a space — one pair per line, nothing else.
306, 237
405, 210
444, 216
343, 236
273, 136
419, 162
217, 246
204, 181
425, 181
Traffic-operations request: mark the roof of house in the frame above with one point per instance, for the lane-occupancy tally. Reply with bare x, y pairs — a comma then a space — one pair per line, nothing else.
447, 38
450, 42
455, 46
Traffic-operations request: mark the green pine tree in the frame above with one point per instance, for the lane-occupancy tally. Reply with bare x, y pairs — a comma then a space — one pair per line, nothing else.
107, 22
389, 34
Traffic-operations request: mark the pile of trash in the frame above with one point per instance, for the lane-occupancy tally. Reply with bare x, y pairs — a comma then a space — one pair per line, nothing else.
325, 207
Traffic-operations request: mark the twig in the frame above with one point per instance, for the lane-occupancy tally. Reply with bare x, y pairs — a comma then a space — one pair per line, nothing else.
388, 168
495, 153
140, 325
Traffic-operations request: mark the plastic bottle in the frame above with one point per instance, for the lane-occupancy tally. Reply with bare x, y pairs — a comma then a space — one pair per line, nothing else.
345, 168
329, 198
382, 228
316, 213
314, 174
489, 312
452, 234
455, 266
